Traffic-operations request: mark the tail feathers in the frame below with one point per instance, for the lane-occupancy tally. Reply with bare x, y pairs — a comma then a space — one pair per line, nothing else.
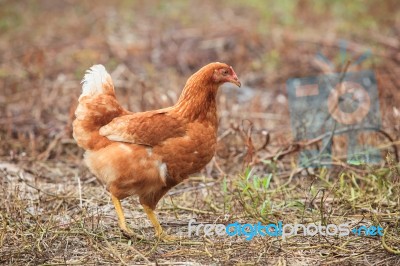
97, 107
97, 81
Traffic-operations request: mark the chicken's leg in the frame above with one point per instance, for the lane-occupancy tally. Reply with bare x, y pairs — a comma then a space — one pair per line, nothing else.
153, 219
121, 217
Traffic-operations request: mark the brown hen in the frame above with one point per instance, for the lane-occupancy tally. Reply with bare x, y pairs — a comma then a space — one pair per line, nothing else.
148, 153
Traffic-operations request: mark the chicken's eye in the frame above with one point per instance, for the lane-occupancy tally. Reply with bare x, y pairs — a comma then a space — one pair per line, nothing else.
225, 72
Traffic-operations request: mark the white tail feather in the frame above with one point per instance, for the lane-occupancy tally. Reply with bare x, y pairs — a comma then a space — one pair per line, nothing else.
94, 79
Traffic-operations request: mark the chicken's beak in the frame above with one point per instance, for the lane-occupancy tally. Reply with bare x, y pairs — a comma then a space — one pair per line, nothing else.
234, 79
236, 82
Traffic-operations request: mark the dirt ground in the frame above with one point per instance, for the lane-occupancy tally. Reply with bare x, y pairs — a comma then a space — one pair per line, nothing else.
54, 212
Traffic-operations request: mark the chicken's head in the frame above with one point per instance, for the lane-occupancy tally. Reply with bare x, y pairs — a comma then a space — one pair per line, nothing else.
225, 73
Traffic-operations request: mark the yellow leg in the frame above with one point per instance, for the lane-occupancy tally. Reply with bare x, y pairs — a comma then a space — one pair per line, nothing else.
153, 219
121, 216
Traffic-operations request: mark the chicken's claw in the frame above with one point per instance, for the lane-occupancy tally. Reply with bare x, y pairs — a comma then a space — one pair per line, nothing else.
165, 237
130, 234
127, 232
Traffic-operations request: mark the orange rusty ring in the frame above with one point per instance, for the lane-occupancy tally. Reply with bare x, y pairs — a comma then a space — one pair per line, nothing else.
359, 93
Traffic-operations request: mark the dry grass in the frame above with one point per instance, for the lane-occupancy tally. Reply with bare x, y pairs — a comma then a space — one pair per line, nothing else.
47, 220
53, 211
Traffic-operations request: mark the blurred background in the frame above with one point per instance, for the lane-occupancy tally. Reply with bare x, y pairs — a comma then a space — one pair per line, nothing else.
48, 198
152, 47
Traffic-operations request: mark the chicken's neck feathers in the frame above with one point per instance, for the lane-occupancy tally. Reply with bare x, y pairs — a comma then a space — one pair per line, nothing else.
198, 101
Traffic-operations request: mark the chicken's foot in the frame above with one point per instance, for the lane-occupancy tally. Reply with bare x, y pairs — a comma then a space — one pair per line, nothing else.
121, 219
159, 231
